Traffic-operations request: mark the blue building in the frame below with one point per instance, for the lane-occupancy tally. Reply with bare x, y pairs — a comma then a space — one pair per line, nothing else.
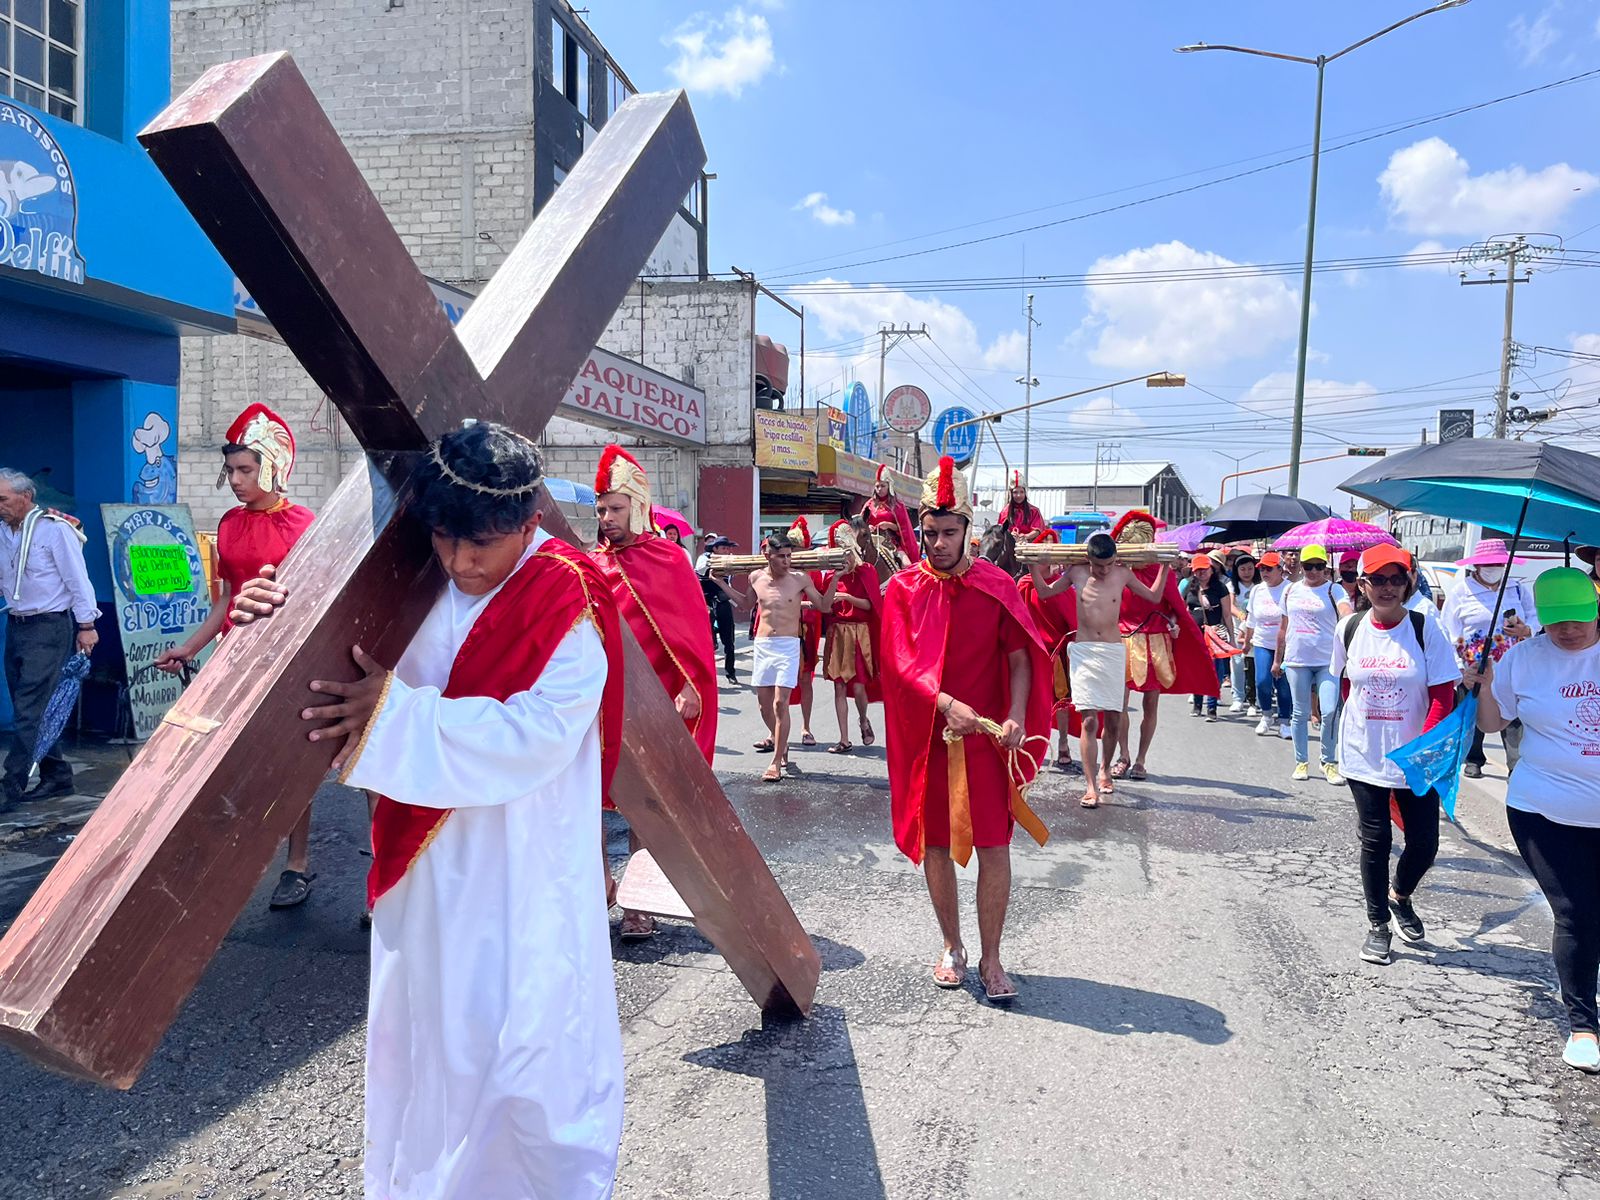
102, 271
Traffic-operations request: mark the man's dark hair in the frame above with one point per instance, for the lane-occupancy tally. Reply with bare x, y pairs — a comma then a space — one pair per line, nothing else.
235, 448
1101, 545
775, 542
480, 481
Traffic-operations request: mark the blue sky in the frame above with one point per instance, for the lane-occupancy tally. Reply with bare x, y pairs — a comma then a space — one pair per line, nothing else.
842, 133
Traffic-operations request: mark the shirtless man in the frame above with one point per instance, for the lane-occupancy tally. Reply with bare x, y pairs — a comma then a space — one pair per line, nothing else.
779, 592
1099, 659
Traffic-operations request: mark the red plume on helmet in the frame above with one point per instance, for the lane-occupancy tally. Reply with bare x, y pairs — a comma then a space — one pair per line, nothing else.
799, 526
1130, 517
833, 533
1046, 535
1016, 479
608, 457
945, 496
882, 475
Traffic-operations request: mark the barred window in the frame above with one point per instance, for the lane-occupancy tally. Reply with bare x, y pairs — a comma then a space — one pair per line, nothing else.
41, 59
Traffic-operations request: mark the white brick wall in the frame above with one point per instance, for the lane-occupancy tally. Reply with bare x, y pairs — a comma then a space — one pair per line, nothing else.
435, 101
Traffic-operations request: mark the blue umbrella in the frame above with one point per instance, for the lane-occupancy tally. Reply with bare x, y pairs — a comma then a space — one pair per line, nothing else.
62, 701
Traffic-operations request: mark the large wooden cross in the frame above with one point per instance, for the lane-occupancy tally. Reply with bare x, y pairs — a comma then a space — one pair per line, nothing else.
96, 967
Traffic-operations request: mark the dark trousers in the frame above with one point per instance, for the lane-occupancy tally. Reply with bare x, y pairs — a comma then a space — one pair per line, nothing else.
1421, 817
722, 630
1565, 859
35, 650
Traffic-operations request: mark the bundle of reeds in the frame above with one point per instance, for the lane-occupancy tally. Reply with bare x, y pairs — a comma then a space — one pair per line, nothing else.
801, 560
1134, 554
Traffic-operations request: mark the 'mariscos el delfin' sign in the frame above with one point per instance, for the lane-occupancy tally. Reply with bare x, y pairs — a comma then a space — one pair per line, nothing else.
610, 391
38, 200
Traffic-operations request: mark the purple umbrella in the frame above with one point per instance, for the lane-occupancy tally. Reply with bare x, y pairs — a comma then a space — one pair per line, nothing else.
1188, 537
1335, 534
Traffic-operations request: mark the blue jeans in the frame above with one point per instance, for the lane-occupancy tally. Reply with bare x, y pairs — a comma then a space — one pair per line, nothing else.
1301, 682
1267, 688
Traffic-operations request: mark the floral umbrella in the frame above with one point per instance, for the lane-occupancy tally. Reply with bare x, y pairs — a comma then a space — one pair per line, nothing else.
1334, 534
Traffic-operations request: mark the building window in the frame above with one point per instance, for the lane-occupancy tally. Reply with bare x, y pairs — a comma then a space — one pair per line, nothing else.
618, 90
569, 66
40, 59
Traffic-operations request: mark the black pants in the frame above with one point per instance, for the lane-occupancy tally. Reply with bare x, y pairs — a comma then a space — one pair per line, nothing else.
36, 648
1421, 817
722, 629
1565, 859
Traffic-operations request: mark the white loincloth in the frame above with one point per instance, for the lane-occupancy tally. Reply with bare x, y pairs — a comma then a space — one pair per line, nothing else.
1099, 675
776, 663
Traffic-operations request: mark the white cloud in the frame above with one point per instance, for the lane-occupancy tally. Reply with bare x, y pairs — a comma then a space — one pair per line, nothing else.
1273, 395
1184, 324
1432, 247
1103, 412
827, 214
722, 54
834, 317
1533, 39
1429, 189
1008, 352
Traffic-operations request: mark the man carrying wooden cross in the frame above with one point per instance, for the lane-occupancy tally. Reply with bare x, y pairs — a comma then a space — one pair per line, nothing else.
658, 595
967, 698
494, 1056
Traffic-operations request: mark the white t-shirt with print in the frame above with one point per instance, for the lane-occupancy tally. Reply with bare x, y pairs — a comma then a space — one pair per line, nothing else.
1311, 614
1556, 693
1389, 678
1266, 614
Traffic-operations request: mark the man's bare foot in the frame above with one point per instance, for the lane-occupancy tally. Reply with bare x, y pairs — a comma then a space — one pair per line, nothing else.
636, 926
951, 969
1091, 799
997, 985
772, 774
1106, 784
1137, 772
1119, 768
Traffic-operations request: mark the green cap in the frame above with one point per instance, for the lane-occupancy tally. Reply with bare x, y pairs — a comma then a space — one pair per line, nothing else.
1313, 553
1565, 594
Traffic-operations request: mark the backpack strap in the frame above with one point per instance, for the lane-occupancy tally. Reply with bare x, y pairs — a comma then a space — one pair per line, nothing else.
1418, 624
1349, 636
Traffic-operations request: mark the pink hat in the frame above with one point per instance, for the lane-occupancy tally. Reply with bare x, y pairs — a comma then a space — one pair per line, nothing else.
1491, 552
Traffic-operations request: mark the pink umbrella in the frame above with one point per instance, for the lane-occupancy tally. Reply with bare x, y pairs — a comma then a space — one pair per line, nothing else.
1334, 534
671, 516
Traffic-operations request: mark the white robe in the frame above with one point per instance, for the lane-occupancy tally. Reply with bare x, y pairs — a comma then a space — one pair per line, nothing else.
494, 1056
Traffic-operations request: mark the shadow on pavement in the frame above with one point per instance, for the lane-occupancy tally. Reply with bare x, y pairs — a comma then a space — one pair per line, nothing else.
819, 1141
1233, 816
1234, 787
1114, 1009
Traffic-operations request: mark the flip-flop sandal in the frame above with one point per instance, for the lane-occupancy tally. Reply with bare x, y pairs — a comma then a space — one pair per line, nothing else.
954, 961
1137, 773
1119, 768
867, 736
292, 890
807, 740
840, 748
639, 932
1107, 786
772, 775
765, 746
1007, 994
1090, 800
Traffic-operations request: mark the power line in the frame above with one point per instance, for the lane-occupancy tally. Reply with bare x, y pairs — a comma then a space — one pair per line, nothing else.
1195, 187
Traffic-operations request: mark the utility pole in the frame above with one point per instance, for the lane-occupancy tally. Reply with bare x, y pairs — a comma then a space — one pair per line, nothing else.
1110, 451
1516, 252
1029, 383
884, 346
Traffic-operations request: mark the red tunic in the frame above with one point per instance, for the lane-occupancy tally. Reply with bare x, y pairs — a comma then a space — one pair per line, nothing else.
658, 594
952, 633
248, 540
503, 654
1023, 521
1139, 618
863, 581
894, 513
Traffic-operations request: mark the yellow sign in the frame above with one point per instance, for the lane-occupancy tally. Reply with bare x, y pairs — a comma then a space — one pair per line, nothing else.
832, 425
786, 441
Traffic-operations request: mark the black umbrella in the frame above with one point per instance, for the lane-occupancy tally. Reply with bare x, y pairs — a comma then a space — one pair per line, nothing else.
1535, 488
1264, 514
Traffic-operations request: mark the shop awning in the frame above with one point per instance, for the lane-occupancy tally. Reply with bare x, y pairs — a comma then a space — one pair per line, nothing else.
852, 475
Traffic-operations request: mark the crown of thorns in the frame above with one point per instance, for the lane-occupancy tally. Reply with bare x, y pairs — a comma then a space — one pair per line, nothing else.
483, 489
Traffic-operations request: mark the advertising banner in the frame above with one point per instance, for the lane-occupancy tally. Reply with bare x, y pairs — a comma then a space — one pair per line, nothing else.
786, 441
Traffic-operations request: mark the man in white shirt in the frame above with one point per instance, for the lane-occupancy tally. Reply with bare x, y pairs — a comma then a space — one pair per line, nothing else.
50, 613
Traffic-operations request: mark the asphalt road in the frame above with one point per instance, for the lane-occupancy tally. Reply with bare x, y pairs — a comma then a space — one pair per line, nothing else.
1193, 1021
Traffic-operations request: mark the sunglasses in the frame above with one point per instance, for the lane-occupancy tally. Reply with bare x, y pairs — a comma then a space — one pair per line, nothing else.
1385, 581
1315, 566
1349, 576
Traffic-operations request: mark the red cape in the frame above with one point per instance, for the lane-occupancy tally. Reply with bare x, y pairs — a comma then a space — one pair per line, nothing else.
1057, 621
503, 654
248, 540
916, 628
892, 508
863, 581
658, 595
1196, 676
1029, 520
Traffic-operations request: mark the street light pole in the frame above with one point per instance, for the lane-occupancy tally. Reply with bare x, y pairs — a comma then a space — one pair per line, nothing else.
1320, 62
